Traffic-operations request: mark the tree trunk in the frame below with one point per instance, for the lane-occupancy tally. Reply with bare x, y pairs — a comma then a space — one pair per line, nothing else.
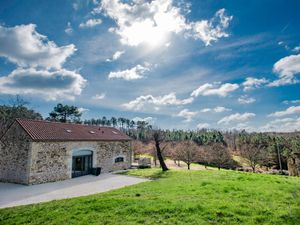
188, 164
279, 157
154, 159
160, 157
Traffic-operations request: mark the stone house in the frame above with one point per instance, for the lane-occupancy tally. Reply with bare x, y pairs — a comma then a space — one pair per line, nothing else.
34, 151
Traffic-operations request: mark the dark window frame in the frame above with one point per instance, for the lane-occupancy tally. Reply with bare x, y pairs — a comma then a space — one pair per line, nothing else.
119, 159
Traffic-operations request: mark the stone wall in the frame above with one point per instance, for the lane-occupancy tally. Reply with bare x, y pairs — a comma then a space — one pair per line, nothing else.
108, 151
49, 162
294, 165
14, 155
52, 161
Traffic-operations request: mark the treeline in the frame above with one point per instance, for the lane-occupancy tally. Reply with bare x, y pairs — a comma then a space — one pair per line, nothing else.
210, 147
18, 108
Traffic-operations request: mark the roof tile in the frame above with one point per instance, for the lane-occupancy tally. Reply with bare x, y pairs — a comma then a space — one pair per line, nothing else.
40, 130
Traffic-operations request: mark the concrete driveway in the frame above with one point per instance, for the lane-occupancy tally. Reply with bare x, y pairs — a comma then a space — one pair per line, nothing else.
16, 194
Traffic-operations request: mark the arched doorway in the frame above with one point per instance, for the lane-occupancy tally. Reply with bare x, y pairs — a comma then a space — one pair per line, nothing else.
82, 163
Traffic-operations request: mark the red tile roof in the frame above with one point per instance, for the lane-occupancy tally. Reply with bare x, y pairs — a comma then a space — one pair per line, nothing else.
40, 130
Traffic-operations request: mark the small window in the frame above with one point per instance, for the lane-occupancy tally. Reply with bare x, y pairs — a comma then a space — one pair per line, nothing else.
119, 159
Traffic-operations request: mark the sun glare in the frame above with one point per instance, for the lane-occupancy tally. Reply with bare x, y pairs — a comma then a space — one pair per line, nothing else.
144, 32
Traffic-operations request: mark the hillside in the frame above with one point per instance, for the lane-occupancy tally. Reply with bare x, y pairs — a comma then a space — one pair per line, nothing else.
176, 197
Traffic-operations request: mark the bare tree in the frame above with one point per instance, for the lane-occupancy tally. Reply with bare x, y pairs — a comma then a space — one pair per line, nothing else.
186, 151
253, 148
18, 108
204, 156
219, 155
171, 153
138, 148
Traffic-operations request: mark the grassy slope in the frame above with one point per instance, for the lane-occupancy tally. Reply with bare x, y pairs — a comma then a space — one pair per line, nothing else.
178, 197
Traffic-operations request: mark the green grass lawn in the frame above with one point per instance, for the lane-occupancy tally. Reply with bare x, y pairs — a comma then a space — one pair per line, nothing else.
176, 197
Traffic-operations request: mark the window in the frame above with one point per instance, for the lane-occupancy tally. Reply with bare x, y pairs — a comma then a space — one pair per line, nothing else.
119, 159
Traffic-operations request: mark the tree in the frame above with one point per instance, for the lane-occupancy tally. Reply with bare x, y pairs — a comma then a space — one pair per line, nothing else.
103, 121
114, 121
186, 151
121, 121
16, 109
253, 148
219, 155
65, 113
158, 137
204, 156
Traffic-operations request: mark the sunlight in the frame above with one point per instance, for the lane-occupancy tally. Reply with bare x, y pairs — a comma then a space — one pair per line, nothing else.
144, 32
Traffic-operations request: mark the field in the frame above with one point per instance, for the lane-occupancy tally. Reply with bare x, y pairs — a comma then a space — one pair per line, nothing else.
176, 197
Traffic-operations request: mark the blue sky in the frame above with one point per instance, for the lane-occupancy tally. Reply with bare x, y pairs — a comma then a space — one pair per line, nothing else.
177, 64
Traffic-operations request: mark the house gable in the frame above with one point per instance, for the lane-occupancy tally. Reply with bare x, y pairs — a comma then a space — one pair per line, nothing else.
14, 155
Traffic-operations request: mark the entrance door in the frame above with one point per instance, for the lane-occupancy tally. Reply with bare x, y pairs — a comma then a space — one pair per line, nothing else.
82, 163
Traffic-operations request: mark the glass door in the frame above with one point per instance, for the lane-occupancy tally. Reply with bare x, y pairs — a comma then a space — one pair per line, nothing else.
81, 165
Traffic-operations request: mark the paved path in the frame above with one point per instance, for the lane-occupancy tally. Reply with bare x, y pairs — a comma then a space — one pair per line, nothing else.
16, 194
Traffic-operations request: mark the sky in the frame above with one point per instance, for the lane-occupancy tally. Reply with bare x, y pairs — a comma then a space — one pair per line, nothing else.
177, 64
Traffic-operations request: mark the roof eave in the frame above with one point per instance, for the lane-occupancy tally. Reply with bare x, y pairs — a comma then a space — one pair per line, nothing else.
80, 140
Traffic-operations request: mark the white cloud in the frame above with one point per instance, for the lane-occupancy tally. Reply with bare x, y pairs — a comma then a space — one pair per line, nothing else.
291, 101
75, 6
282, 125
134, 73
82, 110
169, 99
24, 46
243, 126
203, 126
69, 29
152, 22
213, 29
148, 119
221, 90
144, 21
289, 111
252, 83
218, 109
49, 84
296, 49
115, 56
39, 62
99, 96
237, 117
90, 23
205, 110
245, 99
286, 68
187, 115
